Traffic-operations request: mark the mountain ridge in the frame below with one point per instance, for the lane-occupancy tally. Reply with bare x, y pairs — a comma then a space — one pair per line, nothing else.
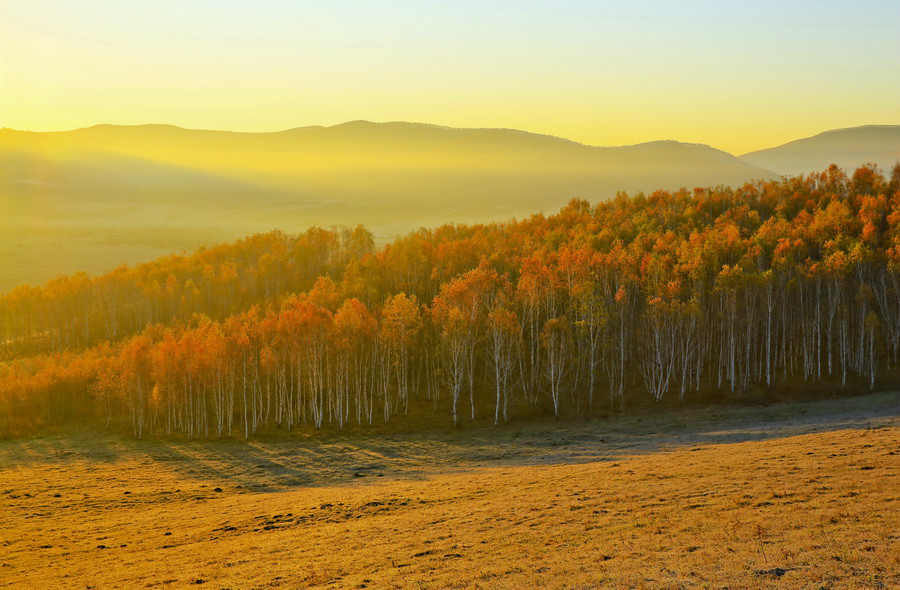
848, 147
357, 123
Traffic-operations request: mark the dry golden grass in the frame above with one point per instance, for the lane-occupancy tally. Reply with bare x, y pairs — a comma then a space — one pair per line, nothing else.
791, 496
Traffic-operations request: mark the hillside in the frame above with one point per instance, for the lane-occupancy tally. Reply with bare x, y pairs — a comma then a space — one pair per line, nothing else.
94, 198
848, 148
787, 496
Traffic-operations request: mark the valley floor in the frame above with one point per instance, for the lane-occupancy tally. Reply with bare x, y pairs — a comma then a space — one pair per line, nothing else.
788, 496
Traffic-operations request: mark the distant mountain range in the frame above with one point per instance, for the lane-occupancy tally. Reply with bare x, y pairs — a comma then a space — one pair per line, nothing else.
848, 148
92, 198
392, 176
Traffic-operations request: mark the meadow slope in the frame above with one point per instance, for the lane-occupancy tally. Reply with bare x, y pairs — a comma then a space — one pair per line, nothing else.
786, 496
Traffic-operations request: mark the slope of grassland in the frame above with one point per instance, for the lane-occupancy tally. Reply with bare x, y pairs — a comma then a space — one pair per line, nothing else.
788, 496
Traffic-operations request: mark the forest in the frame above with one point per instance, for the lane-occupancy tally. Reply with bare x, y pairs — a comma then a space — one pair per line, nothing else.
695, 294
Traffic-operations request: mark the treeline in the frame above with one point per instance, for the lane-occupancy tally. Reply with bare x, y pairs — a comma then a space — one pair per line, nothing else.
77, 311
666, 295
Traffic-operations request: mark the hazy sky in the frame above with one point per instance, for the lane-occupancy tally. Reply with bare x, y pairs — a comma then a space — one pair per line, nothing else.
737, 75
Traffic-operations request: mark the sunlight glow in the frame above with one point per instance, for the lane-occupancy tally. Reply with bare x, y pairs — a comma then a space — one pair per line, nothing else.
739, 76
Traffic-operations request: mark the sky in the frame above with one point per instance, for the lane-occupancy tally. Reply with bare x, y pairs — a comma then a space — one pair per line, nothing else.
736, 75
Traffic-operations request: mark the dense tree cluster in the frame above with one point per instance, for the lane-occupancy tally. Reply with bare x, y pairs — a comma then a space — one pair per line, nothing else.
77, 311
657, 296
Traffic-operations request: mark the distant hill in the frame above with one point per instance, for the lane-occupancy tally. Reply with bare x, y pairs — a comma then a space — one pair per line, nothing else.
93, 198
848, 148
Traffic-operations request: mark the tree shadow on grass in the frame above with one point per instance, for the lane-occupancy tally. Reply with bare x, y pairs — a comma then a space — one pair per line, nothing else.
327, 458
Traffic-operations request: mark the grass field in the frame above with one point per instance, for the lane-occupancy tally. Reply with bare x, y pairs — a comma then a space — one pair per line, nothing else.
784, 496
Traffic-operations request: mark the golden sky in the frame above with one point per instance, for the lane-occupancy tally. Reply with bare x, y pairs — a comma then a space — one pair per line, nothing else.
736, 75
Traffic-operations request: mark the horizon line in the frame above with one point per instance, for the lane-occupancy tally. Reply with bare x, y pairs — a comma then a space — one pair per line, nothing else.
445, 127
